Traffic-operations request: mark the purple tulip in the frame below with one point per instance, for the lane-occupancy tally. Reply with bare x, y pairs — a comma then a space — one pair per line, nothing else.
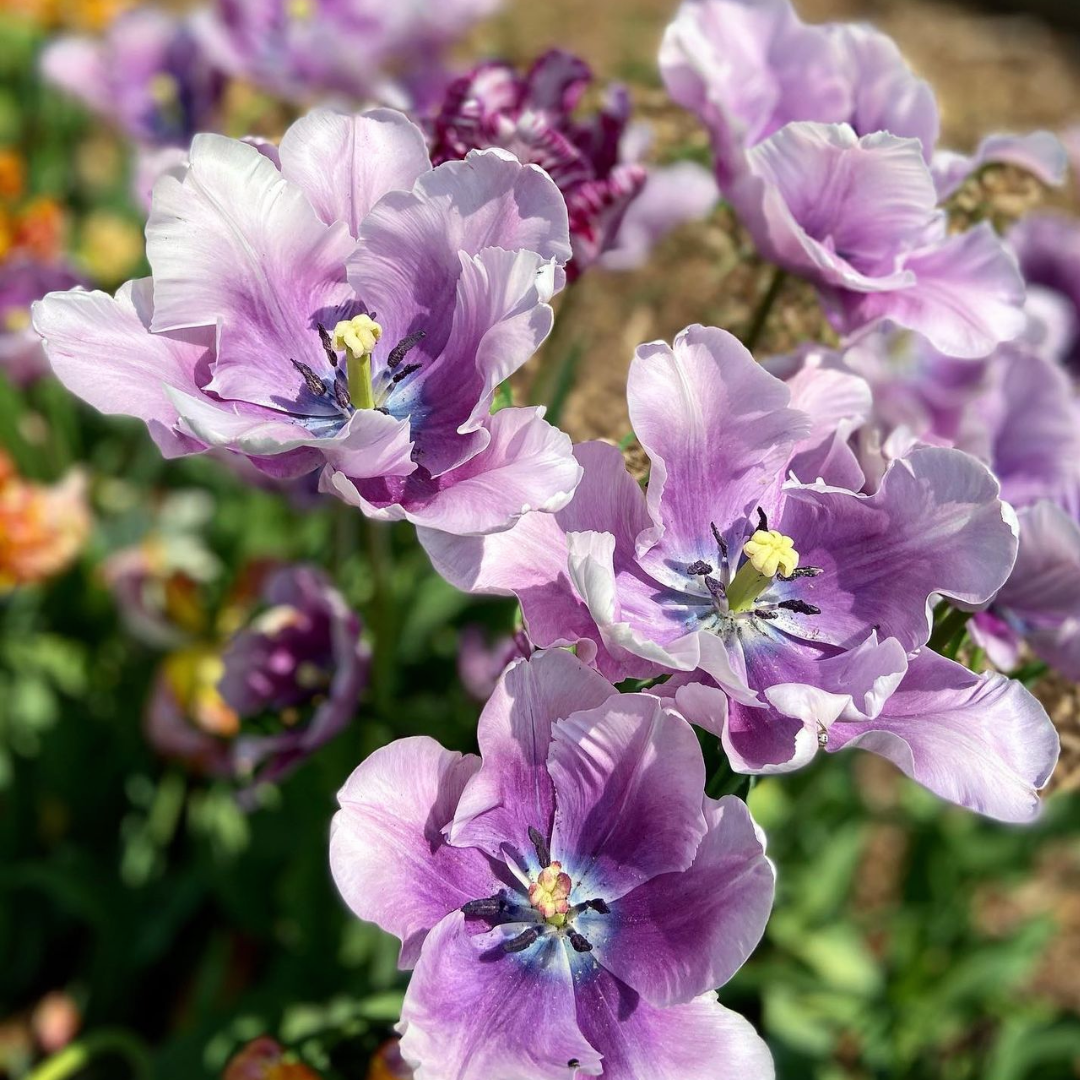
825, 143
339, 306
1048, 247
749, 67
592, 160
22, 281
480, 664
569, 900
859, 218
280, 687
147, 75
360, 50
1017, 412
794, 614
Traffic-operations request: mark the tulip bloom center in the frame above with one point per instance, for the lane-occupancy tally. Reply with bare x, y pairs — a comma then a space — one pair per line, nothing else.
358, 337
550, 894
767, 552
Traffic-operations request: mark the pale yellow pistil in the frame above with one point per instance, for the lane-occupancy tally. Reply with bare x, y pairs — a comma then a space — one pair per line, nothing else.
550, 894
358, 337
768, 553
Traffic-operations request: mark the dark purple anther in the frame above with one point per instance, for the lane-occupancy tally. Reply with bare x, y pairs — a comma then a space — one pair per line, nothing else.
405, 372
800, 606
314, 383
488, 908
397, 353
719, 539
341, 396
580, 944
522, 941
543, 852
763, 521
328, 345
699, 568
802, 571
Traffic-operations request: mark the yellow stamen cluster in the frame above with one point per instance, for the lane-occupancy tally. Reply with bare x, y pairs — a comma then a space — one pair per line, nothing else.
770, 552
550, 894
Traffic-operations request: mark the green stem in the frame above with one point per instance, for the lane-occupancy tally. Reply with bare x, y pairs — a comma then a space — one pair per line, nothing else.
559, 349
949, 632
764, 308
380, 557
74, 1058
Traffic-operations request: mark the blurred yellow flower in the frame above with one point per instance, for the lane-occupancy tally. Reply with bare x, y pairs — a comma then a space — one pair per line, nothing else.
110, 246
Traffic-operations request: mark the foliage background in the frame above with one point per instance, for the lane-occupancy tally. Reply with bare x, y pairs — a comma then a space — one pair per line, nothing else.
909, 940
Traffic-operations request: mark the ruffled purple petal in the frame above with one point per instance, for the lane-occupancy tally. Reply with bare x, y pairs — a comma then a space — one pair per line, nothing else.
101, 349
346, 164
1041, 153
936, 525
681, 935
531, 560
967, 296
474, 1012
388, 855
512, 791
526, 466
717, 430
983, 742
698, 1039
628, 782
234, 244
1041, 599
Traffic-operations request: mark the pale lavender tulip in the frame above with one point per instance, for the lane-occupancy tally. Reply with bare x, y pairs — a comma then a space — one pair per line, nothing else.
748, 67
1040, 603
339, 305
569, 900
858, 217
361, 50
1047, 243
147, 75
771, 599
594, 160
1017, 412
22, 281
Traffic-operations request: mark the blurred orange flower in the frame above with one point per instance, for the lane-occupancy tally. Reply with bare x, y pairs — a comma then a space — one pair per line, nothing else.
387, 1064
92, 15
264, 1059
42, 527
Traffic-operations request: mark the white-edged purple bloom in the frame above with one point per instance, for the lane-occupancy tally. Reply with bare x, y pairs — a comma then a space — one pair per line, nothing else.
859, 218
358, 50
794, 614
339, 305
748, 67
593, 159
569, 900
147, 75
22, 281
